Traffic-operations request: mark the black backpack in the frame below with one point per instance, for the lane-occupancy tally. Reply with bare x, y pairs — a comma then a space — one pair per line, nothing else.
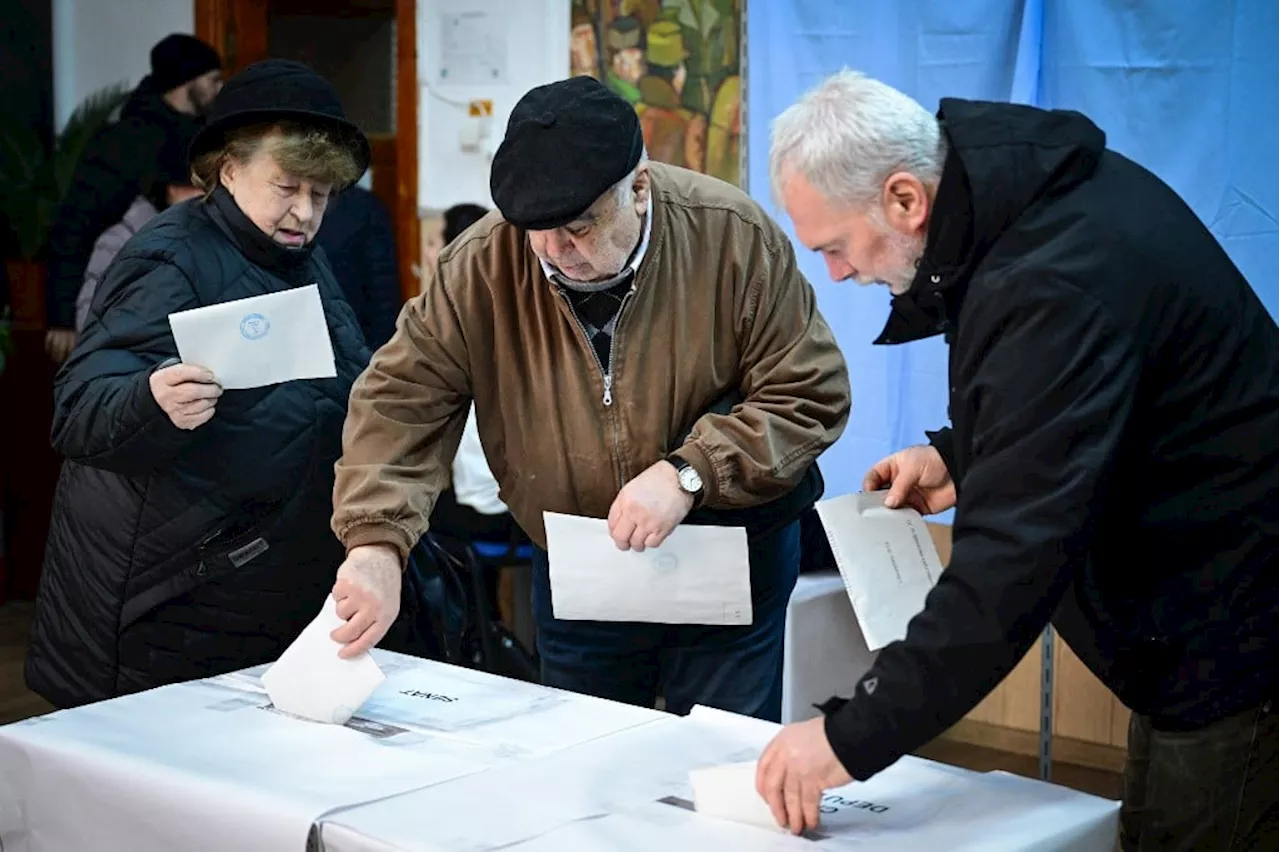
444, 614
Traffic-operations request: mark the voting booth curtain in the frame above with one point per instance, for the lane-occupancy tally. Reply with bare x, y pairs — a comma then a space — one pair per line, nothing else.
1187, 89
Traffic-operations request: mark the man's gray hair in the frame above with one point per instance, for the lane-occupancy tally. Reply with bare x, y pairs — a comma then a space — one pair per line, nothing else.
846, 135
622, 188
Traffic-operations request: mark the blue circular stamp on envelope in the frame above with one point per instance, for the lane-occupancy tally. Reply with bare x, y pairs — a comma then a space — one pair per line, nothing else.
254, 327
665, 563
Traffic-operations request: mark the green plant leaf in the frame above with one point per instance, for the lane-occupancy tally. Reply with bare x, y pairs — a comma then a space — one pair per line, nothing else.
33, 179
93, 113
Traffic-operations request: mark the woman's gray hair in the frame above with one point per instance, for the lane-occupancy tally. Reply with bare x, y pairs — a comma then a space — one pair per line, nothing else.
848, 134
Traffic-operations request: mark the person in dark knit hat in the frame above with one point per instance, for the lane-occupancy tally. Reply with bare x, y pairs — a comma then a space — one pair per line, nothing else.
190, 532
119, 164
640, 347
171, 185
187, 71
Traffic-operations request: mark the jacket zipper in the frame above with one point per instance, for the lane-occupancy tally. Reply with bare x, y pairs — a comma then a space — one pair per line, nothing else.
607, 375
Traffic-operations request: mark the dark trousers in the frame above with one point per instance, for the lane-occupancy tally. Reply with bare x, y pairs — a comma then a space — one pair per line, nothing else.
738, 669
1210, 789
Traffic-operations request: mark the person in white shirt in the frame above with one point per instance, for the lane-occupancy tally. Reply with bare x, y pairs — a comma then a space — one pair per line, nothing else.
471, 510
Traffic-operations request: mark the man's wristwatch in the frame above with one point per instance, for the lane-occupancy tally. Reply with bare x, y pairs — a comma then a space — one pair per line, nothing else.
690, 480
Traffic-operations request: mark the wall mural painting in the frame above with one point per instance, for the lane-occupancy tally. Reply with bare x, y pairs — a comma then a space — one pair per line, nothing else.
679, 62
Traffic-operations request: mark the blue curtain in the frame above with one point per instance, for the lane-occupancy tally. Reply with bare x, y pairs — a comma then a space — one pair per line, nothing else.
1188, 89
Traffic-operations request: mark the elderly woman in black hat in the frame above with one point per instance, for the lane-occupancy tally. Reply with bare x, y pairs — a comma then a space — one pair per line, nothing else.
190, 532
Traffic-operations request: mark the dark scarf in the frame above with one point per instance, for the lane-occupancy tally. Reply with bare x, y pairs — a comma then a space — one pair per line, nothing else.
288, 263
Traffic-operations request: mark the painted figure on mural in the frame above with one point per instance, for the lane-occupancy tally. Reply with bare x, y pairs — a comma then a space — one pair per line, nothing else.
583, 55
627, 66
678, 63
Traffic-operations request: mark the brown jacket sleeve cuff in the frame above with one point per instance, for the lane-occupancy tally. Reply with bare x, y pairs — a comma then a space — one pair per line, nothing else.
699, 461
387, 534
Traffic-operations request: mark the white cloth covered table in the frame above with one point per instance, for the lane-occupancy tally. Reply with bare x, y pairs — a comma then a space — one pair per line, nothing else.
208, 765
630, 790
450, 759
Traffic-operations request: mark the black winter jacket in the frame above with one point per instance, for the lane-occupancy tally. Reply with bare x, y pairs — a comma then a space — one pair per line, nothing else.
155, 570
118, 165
1113, 440
358, 241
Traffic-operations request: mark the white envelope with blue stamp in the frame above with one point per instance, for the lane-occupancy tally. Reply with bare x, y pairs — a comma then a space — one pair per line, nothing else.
258, 341
700, 575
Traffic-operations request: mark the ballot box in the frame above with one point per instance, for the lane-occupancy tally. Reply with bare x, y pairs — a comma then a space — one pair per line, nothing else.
630, 790
211, 765
824, 653
448, 759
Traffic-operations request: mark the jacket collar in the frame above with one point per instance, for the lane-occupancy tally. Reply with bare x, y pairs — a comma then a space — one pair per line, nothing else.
628, 271
931, 303
260, 249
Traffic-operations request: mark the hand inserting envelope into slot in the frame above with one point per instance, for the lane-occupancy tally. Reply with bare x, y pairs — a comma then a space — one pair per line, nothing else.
310, 679
729, 792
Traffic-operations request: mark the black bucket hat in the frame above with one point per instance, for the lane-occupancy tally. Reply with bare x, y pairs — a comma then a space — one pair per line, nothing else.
279, 90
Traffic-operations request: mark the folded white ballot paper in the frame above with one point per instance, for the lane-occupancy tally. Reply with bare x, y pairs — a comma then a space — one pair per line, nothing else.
700, 575
887, 559
310, 679
729, 792
258, 341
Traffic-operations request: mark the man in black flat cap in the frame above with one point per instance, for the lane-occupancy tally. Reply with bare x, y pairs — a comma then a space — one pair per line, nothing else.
639, 346
119, 164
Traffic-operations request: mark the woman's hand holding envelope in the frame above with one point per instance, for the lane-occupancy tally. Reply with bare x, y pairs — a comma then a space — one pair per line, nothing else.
186, 393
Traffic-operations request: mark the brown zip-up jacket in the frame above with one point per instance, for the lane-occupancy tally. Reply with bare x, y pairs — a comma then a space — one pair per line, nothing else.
718, 304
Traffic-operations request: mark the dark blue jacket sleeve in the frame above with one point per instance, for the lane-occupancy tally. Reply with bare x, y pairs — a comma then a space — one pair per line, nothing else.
104, 414
1050, 387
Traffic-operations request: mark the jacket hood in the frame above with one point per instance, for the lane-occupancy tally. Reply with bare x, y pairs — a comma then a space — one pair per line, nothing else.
1002, 159
147, 104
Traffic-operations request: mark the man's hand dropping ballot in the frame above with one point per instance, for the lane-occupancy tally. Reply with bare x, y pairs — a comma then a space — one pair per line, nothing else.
888, 563
310, 680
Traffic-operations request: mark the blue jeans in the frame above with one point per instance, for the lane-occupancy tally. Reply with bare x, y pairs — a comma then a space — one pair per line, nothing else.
738, 669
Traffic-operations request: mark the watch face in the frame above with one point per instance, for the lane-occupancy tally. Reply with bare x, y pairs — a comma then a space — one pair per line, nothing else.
690, 481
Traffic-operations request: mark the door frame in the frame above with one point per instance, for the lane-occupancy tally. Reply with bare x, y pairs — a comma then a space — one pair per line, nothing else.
238, 29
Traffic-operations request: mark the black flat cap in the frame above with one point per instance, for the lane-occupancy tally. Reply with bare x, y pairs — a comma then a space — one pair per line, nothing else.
567, 143
279, 90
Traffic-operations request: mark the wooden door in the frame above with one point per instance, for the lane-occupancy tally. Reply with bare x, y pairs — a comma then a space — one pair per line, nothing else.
246, 31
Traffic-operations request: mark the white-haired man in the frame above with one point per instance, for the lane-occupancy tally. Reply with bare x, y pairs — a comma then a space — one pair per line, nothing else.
638, 342
1111, 456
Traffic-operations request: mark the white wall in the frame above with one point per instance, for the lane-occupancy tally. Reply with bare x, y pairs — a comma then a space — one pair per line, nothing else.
537, 45
100, 42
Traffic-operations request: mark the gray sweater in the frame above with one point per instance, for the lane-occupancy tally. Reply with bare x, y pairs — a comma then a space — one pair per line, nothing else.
105, 250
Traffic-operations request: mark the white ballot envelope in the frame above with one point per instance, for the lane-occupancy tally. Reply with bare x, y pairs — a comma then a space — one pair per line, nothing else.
258, 341
310, 679
729, 792
700, 575
887, 559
